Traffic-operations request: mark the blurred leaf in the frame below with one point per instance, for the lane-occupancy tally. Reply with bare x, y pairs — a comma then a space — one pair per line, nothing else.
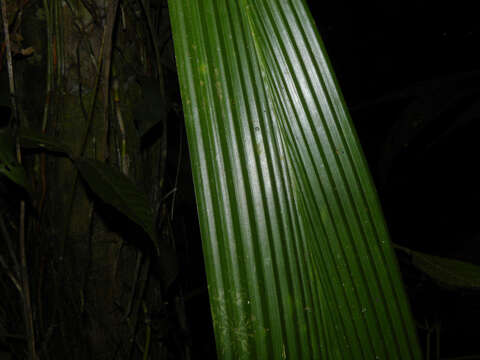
4, 196
447, 272
115, 189
7, 149
17, 174
436, 109
8, 162
297, 254
31, 139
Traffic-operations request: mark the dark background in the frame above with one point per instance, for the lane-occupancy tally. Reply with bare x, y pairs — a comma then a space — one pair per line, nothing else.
409, 72
410, 75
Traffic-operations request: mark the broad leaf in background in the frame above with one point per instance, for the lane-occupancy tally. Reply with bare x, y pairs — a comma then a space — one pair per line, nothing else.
115, 189
298, 260
446, 272
107, 182
31, 139
9, 165
435, 111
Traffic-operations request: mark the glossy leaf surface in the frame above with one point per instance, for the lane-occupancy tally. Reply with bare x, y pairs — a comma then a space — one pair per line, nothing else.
298, 258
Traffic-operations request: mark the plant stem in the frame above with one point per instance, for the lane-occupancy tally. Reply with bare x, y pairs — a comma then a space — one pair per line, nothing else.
27, 306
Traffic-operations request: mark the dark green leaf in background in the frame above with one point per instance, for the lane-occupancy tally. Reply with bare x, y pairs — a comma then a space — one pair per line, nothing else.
31, 139
447, 272
8, 162
7, 148
115, 189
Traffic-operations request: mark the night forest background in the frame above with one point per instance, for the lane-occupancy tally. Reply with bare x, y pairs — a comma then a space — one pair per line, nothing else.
409, 72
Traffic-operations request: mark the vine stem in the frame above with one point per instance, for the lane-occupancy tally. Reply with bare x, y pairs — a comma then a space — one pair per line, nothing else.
27, 306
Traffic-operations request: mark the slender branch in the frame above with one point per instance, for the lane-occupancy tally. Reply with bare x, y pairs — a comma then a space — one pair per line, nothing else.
9, 57
107, 54
27, 307
9, 242
10, 275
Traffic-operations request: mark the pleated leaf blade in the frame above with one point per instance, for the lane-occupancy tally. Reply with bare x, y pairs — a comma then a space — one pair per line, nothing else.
298, 259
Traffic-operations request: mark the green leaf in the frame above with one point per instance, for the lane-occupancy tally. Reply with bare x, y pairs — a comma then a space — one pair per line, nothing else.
17, 174
115, 189
9, 165
298, 259
447, 272
31, 139
7, 149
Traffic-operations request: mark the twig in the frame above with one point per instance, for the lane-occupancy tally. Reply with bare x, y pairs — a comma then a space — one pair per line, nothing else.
9, 57
179, 162
9, 242
134, 286
116, 99
148, 331
107, 54
27, 307
10, 275
136, 309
